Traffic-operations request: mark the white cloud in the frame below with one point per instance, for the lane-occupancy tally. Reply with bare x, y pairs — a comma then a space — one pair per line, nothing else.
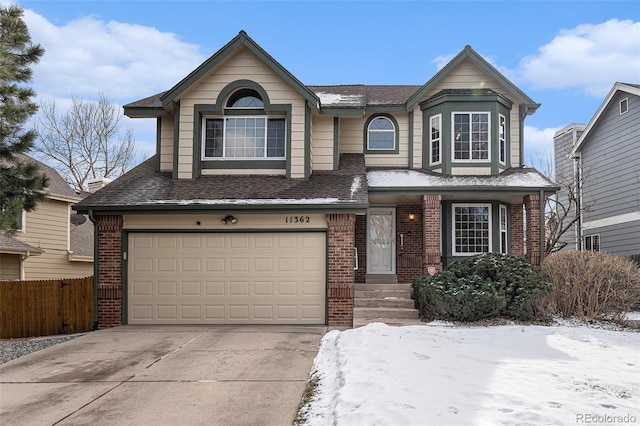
591, 57
538, 145
86, 56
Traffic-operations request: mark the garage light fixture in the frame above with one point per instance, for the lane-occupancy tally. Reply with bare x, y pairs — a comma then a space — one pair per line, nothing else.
229, 219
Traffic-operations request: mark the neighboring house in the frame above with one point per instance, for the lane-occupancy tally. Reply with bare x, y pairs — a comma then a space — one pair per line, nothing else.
268, 199
51, 242
567, 176
606, 158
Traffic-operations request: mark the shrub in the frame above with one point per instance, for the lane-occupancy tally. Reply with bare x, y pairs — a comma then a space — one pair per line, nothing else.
484, 286
592, 285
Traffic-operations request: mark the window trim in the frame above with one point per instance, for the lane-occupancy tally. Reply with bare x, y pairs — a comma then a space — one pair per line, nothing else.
502, 139
624, 101
504, 227
224, 119
396, 138
591, 238
454, 252
432, 140
453, 138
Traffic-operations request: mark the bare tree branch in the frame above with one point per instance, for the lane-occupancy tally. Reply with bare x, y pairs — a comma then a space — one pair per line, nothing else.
86, 142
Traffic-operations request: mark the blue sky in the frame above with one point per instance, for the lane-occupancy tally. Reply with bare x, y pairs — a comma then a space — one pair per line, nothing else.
565, 55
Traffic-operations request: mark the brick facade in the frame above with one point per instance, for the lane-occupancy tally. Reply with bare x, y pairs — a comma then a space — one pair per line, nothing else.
532, 205
516, 230
361, 246
341, 229
109, 270
431, 230
409, 242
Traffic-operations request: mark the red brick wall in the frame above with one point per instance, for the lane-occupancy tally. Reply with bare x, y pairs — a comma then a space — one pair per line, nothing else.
532, 204
409, 243
109, 270
516, 230
431, 226
341, 275
361, 245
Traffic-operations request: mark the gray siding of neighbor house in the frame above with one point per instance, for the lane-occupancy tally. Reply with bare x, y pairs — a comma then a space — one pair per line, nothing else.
611, 159
564, 171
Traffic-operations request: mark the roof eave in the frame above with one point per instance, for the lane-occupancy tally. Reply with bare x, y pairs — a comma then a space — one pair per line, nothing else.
145, 112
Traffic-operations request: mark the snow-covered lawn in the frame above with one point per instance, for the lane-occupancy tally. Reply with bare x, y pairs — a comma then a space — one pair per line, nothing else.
440, 374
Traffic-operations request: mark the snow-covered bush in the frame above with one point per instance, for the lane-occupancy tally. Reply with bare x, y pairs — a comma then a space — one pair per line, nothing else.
484, 286
592, 285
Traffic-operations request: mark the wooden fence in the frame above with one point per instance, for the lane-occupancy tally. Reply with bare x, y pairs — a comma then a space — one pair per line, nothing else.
45, 308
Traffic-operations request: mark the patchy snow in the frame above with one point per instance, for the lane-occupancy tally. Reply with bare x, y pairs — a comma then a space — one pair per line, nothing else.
267, 201
440, 374
327, 99
355, 185
413, 178
632, 316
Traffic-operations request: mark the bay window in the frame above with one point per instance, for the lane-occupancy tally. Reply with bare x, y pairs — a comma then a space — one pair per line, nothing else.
471, 136
471, 229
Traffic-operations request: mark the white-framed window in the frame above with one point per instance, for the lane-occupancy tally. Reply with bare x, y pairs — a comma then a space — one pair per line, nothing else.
381, 135
435, 138
240, 137
503, 229
471, 229
502, 138
471, 136
592, 242
624, 105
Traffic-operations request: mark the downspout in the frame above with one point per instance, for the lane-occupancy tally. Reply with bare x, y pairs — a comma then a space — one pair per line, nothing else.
95, 269
542, 226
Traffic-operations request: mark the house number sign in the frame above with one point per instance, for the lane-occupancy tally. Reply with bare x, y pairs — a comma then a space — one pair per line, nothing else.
297, 219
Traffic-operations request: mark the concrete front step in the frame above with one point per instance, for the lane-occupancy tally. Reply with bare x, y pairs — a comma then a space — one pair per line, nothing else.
380, 294
388, 286
360, 322
388, 313
381, 278
386, 302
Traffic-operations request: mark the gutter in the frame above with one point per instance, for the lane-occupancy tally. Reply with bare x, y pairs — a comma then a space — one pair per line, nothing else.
95, 269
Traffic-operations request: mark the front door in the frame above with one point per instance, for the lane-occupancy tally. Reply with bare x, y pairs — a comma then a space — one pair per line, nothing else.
381, 241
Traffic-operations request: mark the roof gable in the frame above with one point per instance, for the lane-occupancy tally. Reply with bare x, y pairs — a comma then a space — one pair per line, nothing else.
242, 39
486, 67
633, 89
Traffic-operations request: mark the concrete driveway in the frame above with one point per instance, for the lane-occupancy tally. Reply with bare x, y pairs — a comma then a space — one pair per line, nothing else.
163, 375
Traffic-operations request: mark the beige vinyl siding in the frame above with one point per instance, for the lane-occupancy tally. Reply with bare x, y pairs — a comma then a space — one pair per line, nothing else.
352, 133
239, 66
9, 266
166, 144
322, 142
48, 228
466, 171
210, 221
468, 76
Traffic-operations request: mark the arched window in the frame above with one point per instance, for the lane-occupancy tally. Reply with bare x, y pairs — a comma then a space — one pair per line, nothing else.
245, 98
381, 134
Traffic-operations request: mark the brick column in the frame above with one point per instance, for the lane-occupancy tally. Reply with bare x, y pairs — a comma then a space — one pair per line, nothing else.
532, 204
431, 231
341, 275
516, 230
109, 270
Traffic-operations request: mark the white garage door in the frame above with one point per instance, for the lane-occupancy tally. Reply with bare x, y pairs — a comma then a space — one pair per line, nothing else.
226, 278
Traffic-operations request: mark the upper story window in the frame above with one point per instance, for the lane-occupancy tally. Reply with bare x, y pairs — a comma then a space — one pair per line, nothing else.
624, 105
471, 136
239, 136
435, 138
245, 98
502, 129
381, 134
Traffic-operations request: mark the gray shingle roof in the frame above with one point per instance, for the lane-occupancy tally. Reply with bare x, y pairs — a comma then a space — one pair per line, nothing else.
144, 187
11, 245
57, 185
81, 239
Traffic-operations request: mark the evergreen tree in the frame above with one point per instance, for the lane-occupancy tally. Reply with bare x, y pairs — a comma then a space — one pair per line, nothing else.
21, 182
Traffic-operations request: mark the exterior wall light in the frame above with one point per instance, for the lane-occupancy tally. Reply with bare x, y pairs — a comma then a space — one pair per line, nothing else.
229, 219
412, 216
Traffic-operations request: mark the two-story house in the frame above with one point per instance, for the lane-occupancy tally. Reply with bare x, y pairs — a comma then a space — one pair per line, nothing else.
268, 199
605, 160
51, 241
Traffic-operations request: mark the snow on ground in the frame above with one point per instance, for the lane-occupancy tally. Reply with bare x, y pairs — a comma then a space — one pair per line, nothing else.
439, 374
